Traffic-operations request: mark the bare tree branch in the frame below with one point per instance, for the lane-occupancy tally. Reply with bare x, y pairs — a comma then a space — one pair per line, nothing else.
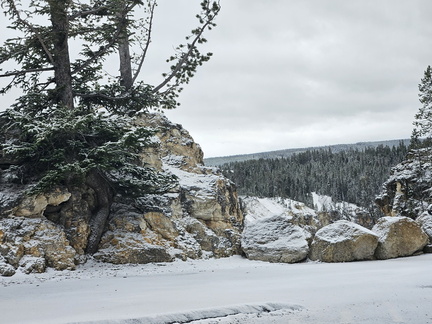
101, 95
17, 13
87, 12
15, 73
186, 55
108, 46
98, 54
144, 54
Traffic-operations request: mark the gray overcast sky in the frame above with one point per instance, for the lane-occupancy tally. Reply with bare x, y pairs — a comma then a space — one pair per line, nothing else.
308, 72
296, 73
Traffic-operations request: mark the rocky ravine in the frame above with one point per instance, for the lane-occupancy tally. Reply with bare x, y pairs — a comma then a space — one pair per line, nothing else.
199, 217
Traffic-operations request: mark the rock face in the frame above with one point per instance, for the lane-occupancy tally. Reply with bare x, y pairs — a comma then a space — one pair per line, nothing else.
330, 211
199, 217
407, 191
425, 222
343, 241
297, 213
6, 270
35, 243
398, 237
172, 145
275, 239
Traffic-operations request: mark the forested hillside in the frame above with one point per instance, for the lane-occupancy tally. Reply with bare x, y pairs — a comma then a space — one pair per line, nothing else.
354, 176
361, 146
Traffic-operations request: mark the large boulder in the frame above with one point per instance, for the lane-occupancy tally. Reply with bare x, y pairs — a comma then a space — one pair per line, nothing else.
121, 248
398, 236
275, 239
343, 241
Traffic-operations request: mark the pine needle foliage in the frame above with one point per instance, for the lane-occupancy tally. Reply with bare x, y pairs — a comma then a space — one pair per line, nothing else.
59, 146
422, 133
74, 118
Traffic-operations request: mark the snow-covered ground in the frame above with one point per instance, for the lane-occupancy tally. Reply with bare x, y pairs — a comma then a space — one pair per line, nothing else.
232, 290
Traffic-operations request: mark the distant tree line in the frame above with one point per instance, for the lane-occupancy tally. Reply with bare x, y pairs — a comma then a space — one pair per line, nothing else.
354, 176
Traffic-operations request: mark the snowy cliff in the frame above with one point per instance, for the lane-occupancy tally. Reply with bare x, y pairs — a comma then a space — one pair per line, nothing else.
199, 217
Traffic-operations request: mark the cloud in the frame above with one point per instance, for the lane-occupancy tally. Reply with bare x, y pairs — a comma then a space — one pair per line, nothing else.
298, 73
290, 73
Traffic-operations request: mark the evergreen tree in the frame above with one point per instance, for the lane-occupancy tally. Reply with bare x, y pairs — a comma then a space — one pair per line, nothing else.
102, 27
422, 132
421, 138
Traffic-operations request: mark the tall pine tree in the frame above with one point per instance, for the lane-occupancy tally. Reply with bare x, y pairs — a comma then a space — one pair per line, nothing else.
422, 132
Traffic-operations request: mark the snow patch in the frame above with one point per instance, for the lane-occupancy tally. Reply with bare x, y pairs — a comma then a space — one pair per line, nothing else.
341, 231
202, 314
260, 208
324, 203
200, 185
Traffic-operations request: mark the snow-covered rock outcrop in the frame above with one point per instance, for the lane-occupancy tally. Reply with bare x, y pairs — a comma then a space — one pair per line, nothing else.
407, 192
330, 211
398, 237
199, 217
256, 209
32, 244
425, 221
325, 211
343, 241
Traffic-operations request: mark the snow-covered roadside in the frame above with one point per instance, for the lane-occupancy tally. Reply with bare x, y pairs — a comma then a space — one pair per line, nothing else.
390, 291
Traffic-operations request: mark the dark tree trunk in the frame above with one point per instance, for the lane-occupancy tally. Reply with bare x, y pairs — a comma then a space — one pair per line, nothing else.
98, 221
126, 79
62, 70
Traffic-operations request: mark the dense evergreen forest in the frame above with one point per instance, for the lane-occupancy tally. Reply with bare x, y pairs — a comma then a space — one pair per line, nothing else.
354, 176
